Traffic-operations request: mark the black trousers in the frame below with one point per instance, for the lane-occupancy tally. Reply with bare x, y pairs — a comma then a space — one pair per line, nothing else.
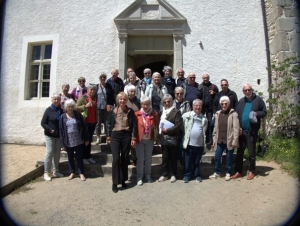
246, 140
88, 149
208, 113
120, 146
169, 157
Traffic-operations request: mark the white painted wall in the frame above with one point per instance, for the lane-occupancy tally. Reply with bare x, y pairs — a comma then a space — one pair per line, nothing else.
231, 32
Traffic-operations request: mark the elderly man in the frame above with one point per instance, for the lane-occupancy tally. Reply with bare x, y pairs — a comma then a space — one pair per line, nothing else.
146, 81
194, 127
192, 89
250, 109
114, 85
180, 77
126, 80
209, 92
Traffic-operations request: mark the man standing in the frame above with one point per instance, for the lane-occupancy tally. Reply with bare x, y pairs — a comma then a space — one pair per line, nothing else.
114, 85
209, 92
194, 127
192, 89
250, 109
180, 77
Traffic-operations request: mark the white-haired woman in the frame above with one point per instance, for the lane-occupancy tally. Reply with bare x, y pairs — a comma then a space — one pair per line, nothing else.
156, 91
168, 81
147, 121
121, 135
73, 135
170, 125
50, 123
136, 83
183, 106
225, 136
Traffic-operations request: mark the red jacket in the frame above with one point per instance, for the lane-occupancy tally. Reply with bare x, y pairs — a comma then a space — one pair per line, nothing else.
154, 121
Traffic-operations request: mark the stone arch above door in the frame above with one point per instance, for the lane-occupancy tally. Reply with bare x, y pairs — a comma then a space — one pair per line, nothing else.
150, 17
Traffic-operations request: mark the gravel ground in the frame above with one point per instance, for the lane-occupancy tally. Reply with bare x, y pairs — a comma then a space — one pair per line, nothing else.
270, 199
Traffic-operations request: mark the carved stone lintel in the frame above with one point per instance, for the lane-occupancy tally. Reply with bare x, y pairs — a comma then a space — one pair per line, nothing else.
122, 36
150, 15
178, 36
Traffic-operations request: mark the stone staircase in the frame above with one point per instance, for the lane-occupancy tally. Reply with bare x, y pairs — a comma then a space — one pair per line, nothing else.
101, 153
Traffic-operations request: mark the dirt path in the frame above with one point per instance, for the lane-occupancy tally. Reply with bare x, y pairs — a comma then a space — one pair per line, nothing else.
269, 199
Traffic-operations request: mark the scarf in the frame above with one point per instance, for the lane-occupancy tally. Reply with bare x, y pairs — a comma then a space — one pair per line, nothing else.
57, 111
147, 80
146, 120
164, 116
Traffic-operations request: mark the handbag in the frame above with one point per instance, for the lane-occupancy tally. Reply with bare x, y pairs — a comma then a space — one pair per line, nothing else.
156, 134
169, 141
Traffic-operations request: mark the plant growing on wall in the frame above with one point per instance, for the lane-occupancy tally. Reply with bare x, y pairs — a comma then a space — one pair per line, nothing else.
284, 110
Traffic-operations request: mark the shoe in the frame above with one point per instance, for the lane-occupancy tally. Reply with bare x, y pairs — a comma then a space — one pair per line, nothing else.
91, 160
173, 179
227, 177
140, 183
86, 162
47, 177
178, 163
208, 145
237, 175
82, 177
198, 179
250, 176
215, 176
162, 178
114, 188
72, 175
98, 141
124, 185
57, 174
185, 180
149, 179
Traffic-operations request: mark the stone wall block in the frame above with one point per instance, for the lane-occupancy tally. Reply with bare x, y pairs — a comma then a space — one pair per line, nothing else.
284, 55
279, 43
285, 24
293, 39
277, 12
290, 12
282, 2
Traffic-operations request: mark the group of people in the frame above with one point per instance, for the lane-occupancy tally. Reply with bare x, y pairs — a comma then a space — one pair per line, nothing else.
180, 114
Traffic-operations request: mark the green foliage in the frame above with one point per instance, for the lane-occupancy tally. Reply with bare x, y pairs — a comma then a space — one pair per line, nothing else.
285, 152
283, 112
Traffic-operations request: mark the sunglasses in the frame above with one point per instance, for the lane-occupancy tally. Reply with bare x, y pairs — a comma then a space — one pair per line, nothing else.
179, 93
192, 77
224, 85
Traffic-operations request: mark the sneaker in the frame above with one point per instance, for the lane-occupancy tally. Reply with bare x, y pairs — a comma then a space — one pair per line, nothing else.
91, 160
227, 177
198, 179
47, 177
173, 179
185, 180
86, 162
214, 176
57, 174
149, 179
140, 183
162, 178
98, 141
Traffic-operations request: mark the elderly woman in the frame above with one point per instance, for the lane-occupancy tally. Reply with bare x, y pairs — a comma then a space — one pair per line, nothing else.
225, 137
121, 135
73, 135
101, 106
87, 104
147, 121
65, 95
156, 91
80, 90
170, 124
136, 83
168, 81
146, 81
183, 106
50, 123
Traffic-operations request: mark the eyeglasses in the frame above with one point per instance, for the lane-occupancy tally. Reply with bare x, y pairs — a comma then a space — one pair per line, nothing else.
167, 101
179, 93
81, 80
224, 85
223, 104
247, 90
192, 77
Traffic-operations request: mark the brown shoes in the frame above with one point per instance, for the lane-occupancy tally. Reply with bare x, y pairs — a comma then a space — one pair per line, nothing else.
250, 176
235, 176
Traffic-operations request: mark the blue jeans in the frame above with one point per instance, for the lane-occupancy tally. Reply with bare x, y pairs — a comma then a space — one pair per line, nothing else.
218, 156
192, 156
79, 153
52, 154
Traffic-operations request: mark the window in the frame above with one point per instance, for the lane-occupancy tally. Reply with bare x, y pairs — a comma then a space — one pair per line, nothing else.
39, 70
